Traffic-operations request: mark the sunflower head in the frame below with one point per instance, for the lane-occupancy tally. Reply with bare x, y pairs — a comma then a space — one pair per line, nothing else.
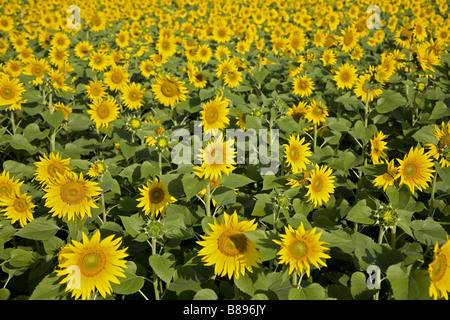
439, 271
155, 198
387, 217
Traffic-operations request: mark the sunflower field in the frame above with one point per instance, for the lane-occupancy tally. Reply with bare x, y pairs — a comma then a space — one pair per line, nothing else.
119, 179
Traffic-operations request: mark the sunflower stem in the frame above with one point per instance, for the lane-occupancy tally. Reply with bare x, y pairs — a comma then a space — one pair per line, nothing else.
160, 162
299, 284
208, 199
155, 277
433, 189
380, 235
393, 237
315, 137
13, 123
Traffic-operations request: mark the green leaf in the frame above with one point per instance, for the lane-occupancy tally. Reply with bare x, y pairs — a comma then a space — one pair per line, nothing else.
49, 288
206, 294
4, 294
163, 266
399, 282
224, 196
234, 180
21, 258
440, 110
389, 101
361, 213
19, 142
33, 132
42, 228
131, 283
54, 119
428, 231
408, 284
444, 173
312, 292
358, 286
260, 75
19, 170
193, 185
133, 224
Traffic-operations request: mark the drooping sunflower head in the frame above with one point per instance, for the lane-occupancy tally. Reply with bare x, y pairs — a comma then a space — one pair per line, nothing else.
70, 196
301, 248
377, 148
297, 152
441, 150
321, 185
92, 265
48, 168
439, 271
214, 114
415, 169
169, 90
298, 111
228, 248
155, 198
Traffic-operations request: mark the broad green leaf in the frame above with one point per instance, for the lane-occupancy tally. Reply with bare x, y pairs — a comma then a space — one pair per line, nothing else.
49, 288
361, 213
4, 294
133, 224
206, 294
163, 266
21, 258
312, 292
428, 231
19, 142
54, 119
131, 283
42, 228
358, 286
234, 180
389, 101
224, 196
193, 185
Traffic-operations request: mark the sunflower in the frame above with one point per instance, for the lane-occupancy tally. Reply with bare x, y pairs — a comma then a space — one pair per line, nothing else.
166, 46
8, 185
440, 150
70, 196
169, 90
122, 39
303, 86
301, 248
222, 53
316, 112
155, 198
96, 90
58, 57
321, 185
221, 34
297, 153
103, 111
147, 68
47, 168
377, 148
83, 49
204, 53
60, 40
116, 78
439, 271
349, 39
96, 169
197, 78
36, 67
298, 111
361, 91
99, 61
17, 207
133, 96
6, 23
214, 114
414, 169
225, 67
11, 90
227, 247
328, 57
345, 76
388, 178
97, 264
217, 158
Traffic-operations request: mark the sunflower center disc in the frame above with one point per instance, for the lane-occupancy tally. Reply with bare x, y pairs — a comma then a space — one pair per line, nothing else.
212, 115
5, 189
299, 249
317, 185
156, 195
92, 263
19, 205
116, 78
169, 90
102, 111
53, 169
232, 243
318, 111
72, 193
7, 93
345, 76
293, 153
410, 170
439, 267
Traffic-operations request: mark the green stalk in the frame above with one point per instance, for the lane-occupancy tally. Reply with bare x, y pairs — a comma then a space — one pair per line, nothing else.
13, 122
380, 235
160, 162
433, 190
208, 199
155, 280
315, 136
